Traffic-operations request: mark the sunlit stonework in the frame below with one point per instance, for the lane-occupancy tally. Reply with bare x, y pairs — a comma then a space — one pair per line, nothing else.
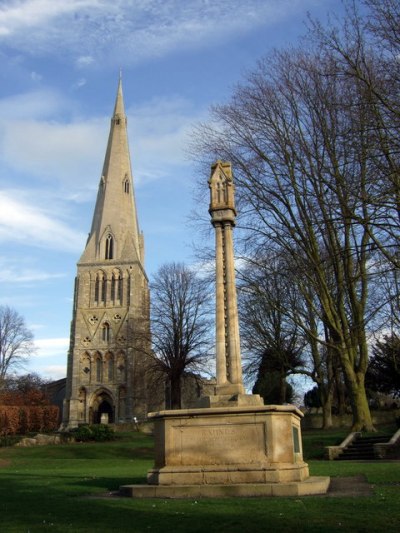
110, 324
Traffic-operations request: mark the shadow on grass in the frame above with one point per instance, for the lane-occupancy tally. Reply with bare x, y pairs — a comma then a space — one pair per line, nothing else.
59, 503
84, 451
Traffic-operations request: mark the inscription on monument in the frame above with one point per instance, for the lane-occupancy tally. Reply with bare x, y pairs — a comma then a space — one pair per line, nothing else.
222, 444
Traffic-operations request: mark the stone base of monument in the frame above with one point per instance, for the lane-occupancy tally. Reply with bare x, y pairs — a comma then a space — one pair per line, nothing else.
230, 400
216, 452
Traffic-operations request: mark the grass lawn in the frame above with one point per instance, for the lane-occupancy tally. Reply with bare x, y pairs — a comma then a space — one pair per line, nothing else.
52, 489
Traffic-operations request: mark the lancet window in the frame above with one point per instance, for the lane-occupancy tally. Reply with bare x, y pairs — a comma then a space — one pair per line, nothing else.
106, 332
110, 366
126, 185
82, 403
99, 368
109, 247
116, 286
100, 288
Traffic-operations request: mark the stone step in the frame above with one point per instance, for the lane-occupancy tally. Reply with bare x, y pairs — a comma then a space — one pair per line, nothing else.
362, 448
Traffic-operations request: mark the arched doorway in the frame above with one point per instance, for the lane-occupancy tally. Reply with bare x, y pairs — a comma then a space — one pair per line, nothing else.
102, 409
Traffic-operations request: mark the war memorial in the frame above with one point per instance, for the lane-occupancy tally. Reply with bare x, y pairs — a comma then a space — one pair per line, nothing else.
232, 444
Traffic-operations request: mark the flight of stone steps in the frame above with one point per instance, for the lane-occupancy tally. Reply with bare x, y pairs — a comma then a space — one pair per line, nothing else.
362, 448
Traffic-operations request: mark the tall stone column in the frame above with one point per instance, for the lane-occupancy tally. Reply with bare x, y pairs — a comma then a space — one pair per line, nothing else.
223, 213
220, 342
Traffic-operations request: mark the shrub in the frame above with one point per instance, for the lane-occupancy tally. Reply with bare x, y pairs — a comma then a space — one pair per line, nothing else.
95, 432
9, 440
82, 434
102, 432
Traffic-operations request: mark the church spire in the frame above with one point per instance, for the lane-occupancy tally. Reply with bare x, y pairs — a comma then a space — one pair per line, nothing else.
114, 234
119, 110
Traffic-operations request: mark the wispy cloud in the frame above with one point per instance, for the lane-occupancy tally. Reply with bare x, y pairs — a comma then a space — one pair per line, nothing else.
54, 349
160, 127
99, 29
59, 144
53, 371
26, 223
15, 276
64, 148
84, 61
68, 152
40, 104
16, 15
51, 347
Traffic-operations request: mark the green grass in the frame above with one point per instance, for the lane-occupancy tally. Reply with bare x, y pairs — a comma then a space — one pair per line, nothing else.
54, 489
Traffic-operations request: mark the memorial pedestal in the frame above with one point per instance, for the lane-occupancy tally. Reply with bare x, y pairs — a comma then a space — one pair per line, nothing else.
242, 451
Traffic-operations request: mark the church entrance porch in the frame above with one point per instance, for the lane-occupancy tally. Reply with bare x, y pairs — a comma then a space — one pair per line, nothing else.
102, 409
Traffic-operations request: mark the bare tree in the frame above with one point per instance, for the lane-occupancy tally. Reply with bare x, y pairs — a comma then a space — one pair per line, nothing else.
180, 321
366, 53
16, 342
278, 323
299, 137
266, 324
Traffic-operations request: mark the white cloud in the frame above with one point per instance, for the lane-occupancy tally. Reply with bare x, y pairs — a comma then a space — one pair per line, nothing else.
25, 223
68, 152
55, 349
130, 29
84, 61
19, 15
80, 83
51, 347
18, 276
31, 105
160, 127
71, 152
54, 371
35, 76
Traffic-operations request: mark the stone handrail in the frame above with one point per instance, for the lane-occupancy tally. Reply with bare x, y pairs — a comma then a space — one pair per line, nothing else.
383, 450
332, 452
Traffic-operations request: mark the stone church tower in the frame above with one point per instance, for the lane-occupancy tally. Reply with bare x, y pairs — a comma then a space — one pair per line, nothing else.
110, 324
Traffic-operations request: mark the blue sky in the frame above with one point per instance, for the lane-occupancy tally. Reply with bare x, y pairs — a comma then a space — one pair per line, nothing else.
60, 62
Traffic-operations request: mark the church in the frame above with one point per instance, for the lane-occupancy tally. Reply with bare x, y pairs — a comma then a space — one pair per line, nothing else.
110, 328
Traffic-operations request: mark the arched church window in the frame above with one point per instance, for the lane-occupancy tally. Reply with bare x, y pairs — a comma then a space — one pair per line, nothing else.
121, 367
100, 287
116, 286
98, 368
109, 247
110, 367
126, 185
97, 289
106, 332
121, 403
82, 403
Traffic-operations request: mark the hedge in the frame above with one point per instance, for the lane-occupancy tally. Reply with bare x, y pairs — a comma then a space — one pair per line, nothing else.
22, 419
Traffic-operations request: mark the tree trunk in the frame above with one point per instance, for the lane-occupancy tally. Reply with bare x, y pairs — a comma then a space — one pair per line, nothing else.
361, 414
327, 409
282, 388
175, 392
340, 391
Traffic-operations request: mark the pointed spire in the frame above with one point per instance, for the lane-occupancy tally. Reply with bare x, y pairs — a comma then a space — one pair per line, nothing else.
115, 212
119, 111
